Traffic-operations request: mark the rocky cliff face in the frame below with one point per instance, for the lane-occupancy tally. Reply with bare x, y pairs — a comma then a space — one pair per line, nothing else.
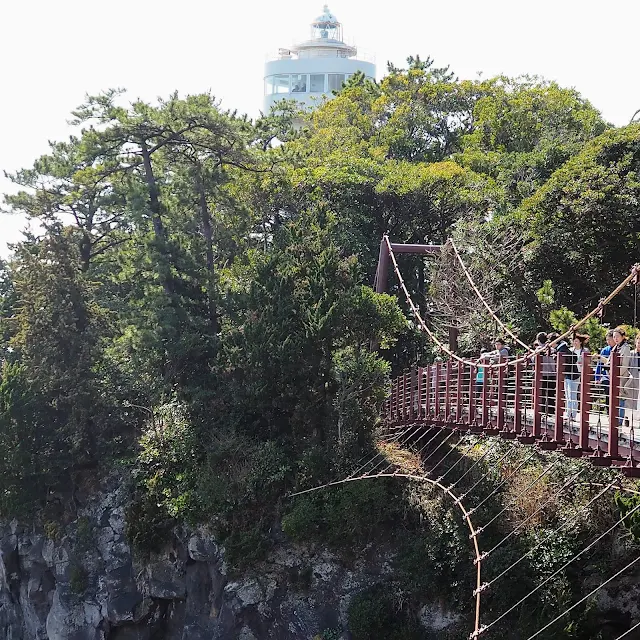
81, 581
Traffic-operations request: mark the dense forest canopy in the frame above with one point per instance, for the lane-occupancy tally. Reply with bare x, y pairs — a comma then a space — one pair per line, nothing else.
198, 304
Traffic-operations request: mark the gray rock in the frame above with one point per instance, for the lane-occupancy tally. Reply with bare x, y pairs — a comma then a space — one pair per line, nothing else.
246, 634
203, 548
166, 580
74, 619
435, 617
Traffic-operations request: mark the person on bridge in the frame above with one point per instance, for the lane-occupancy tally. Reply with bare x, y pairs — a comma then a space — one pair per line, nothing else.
571, 376
635, 374
548, 369
602, 368
625, 387
579, 341
501, 351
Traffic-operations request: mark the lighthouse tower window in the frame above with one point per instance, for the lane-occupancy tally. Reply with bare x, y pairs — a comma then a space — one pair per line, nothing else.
316, 83
336, 81
279, 83
299, 83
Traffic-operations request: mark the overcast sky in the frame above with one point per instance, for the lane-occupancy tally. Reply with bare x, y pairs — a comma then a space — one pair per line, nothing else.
53, 52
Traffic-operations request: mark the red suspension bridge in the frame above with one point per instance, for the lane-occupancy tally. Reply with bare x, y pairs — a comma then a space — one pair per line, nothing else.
453, 424
521, 397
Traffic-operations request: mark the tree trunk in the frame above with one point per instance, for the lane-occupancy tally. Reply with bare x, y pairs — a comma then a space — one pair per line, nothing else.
156, 218
207, 232
85, 252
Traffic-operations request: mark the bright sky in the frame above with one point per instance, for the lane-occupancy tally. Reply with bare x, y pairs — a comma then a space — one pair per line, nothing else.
54, 52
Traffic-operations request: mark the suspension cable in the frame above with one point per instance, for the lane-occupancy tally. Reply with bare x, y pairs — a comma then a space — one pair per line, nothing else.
451, 450
462, 457
482, 299
571, 520
573, 606
563, 567
380, 453
479, 460
535, 513
539, 350
505, 480
456, 501
626, 633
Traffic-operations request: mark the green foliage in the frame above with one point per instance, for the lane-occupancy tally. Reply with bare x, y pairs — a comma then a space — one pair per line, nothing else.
331, 634
375, 614
545, 294
78, 578
84, 531
627, 503
148, 526
563, 319
346, 516
591, 198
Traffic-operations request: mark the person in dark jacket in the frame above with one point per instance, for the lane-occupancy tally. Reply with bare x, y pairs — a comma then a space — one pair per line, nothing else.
602, 369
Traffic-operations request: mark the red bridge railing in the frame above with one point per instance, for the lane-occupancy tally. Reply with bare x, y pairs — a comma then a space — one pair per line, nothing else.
566, 405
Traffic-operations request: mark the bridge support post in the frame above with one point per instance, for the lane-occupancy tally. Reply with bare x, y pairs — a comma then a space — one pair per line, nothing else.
460, 383
537, 397
501, 392
472, 393
558, 433
615, 404
517, 399
382, 272
585, 401
412, 396
436, 392
447, 390
486, 381
404, 397
427, 386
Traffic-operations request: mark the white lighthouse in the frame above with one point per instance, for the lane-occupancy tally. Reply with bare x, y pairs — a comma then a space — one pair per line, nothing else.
314, 68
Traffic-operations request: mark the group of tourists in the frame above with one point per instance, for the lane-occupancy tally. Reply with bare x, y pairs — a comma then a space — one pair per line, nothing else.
570, 357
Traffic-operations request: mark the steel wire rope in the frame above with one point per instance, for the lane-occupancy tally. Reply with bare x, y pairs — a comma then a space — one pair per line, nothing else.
462, 457
396, 435
507, 363
444, 441
560, 528
562, 568
419, 453
591, 593
457, 501
532, 515
505, 480
482, 299
451, 450
369, 472
479, 460
384, 458
360, 468
628, 631
412, 428
489, 469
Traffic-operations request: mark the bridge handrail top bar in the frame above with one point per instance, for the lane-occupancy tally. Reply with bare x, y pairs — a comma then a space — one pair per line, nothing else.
416, 248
